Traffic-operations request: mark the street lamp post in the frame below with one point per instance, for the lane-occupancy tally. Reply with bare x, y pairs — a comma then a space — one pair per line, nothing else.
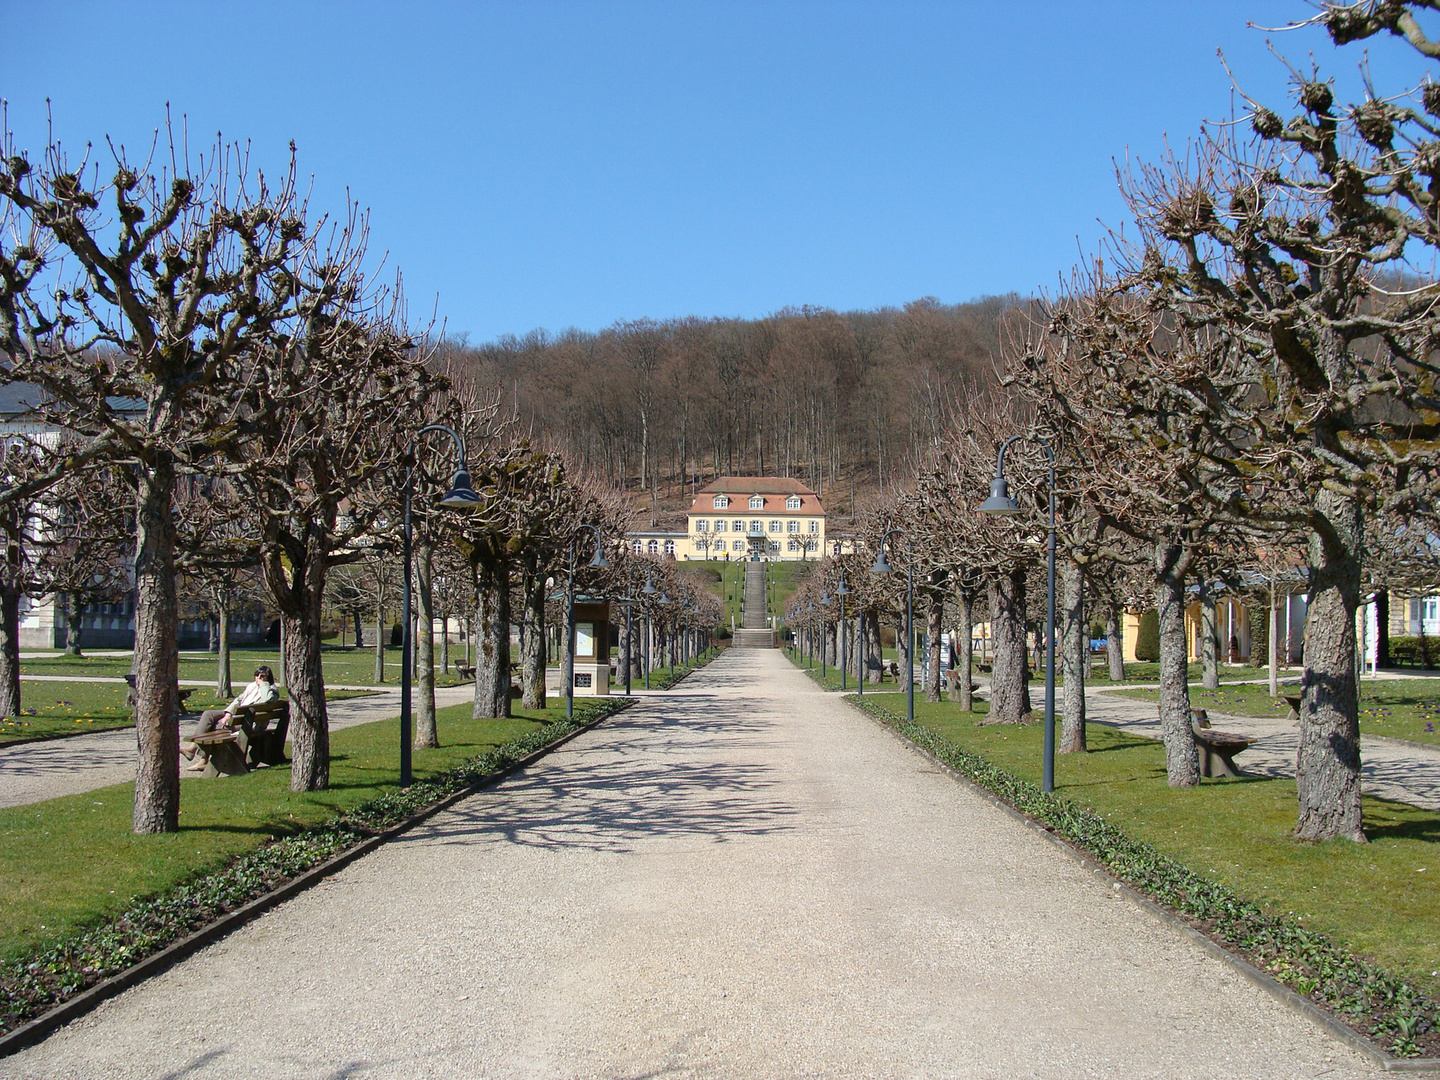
599, 562
841, 591
461, 496
824, 628
1001, 502
648, 591
882, 566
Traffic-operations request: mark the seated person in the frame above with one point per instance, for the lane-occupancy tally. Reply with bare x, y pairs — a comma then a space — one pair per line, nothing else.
259, 692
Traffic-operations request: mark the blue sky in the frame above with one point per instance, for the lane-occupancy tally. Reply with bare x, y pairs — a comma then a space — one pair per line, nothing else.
553, 164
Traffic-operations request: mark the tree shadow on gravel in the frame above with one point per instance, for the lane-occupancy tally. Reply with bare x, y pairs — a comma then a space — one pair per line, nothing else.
653, 775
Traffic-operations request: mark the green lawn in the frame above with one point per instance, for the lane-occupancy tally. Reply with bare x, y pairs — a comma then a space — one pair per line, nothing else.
785, 578
347, 665
65, 708
69, 861
1400, 708
1150, 673
1378, 899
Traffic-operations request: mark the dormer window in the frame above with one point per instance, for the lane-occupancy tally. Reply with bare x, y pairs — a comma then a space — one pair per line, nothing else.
722, 502
792, 503
757, 502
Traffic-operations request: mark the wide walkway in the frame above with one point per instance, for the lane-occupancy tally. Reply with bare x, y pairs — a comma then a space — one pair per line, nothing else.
742, 878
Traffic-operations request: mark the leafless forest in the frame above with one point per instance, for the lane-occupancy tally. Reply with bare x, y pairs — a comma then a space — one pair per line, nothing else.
844, 401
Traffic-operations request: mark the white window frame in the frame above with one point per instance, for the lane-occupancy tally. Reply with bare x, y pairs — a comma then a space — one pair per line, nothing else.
814, 526
1430, 615
792, 503
669, 547
653, 547
702, 526
775, 545
722, 502
719, 524
737, 526
792, 526
638, 547
792, 545
775, 527
757, 527
757, 502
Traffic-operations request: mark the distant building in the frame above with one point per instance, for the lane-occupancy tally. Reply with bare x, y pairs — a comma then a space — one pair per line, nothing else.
754, 518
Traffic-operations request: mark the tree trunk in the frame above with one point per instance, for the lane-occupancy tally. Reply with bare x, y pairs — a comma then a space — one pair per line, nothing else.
426, 737
1327, 769
157, 708
1073, 655
964, 662
532, 643
1114, 643
1182, 761
380, 644
1382, 629
934, 626
72, 626
1009, 682
1209, 638
626, 645
874, 652
10, 652
359, 628
299, 590
492, 654
445, 642
223, 688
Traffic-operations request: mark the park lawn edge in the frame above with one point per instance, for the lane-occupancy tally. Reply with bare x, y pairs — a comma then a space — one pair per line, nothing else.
45, 989
1341, 985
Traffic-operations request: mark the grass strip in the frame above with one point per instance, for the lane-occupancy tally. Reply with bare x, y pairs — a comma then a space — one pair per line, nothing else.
33, 983
1376, 1003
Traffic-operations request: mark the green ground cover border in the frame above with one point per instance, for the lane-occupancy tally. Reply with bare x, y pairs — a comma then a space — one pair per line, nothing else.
1151, 851
62, 964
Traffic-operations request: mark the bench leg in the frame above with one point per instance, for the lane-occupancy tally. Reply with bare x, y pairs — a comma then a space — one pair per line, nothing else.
226, 759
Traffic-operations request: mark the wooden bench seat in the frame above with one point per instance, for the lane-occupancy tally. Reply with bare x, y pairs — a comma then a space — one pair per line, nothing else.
1217, 748
258, 741
465, 671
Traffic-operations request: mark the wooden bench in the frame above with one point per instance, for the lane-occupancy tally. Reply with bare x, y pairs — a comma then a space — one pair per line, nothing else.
952, 677
1293, 700
1217, 748
254, 744
465, 671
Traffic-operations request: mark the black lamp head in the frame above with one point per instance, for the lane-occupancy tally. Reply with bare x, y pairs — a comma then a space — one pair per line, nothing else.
1000, 500
461, 495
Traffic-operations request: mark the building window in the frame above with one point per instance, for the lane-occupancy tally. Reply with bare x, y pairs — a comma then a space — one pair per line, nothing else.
757, 502
811, 545
720, 525
702, 526
669, 547
774, 526
814, 526
774, 545
792, 526
737, 526
719, 545
792, 503
757, 527
637, 547
722, 502
792, 545
837, 550
653, 547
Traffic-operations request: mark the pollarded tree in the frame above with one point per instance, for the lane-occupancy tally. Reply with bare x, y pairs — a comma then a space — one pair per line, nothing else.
1293, 248
148, 313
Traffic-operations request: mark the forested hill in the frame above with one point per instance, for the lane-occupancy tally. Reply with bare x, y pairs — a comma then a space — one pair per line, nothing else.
842, 401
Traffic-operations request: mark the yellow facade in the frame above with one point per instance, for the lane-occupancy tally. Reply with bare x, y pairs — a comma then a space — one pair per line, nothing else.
759, 517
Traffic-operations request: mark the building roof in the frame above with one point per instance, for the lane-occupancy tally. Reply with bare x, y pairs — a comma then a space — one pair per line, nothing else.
22, 399
774, 489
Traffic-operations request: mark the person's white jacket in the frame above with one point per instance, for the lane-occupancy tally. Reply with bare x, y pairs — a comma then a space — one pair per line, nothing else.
257, 693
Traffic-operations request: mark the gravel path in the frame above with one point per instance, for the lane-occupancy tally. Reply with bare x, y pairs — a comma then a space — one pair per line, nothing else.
1390, 768
37, 771
743, 878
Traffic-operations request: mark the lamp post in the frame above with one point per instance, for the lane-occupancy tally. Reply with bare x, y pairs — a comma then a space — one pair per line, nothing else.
1001, 502
461, 496
841, 591
824, 625
647, 591
599, 562
882, 566
664, 601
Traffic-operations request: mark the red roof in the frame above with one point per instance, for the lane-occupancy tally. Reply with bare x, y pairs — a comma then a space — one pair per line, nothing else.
774, 489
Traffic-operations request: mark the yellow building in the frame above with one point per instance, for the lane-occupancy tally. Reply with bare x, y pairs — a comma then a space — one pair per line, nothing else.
755, 518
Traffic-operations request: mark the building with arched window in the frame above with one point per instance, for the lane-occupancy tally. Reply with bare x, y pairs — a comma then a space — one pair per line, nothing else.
784, 520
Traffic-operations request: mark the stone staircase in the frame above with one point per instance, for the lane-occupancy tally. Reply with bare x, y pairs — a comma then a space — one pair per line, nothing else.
754, 631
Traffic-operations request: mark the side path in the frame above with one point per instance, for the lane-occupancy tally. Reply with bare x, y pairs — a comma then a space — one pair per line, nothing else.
745, 878
46, 770
1390, 768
